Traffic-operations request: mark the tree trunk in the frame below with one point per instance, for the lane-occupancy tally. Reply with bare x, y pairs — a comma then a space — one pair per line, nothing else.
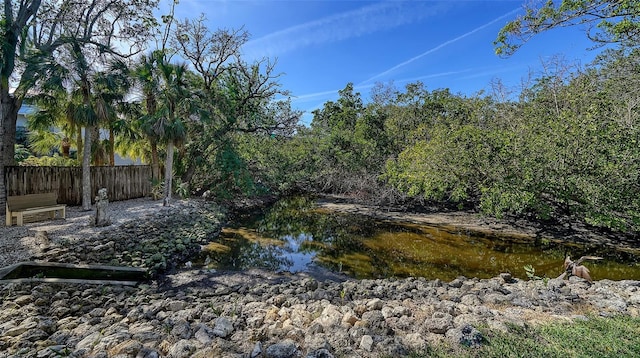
155, 161
8, 116
97, 151
168, 173
9, 107
80, 150
112, 148
86, 169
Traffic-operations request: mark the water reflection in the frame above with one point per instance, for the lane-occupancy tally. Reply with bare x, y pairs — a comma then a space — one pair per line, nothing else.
294, 235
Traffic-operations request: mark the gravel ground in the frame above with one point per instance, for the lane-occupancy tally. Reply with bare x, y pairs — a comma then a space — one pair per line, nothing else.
19, 243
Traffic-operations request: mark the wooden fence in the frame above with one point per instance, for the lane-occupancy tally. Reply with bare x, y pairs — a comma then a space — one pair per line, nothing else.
122, 182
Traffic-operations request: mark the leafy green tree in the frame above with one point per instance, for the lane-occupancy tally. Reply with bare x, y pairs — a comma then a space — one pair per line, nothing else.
33, 30
54, 108
16, 18
606, 21
234, 98
340, 149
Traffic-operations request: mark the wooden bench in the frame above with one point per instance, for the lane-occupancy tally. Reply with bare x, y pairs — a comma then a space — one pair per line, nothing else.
18, 206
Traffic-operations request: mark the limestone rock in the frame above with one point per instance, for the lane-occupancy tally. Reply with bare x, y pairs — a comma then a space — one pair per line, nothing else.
223, 327
285, 349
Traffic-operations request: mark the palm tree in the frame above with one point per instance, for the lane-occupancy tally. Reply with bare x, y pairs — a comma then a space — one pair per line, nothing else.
175, 104
51, 113
56, 101
111, 87
146, 74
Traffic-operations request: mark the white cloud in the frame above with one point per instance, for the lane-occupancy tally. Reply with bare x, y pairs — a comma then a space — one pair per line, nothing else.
338, 27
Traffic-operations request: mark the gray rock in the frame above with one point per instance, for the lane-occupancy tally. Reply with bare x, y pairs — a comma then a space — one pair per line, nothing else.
285, 349
202, 335
182, 349
374, 320
330, 316
89, 341
456, 283
375, 304
506, 277
366, 343
466, 335
34, 335
439, 323
148, 353
175, 306
415, 341
257, 350
181, 329
52, 351
127, 348
223, 327
320, 353
316, 342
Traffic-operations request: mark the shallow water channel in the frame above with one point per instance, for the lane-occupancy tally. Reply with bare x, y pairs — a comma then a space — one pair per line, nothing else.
294, 235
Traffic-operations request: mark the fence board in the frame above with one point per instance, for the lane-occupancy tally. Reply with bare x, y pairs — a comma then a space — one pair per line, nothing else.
122, 182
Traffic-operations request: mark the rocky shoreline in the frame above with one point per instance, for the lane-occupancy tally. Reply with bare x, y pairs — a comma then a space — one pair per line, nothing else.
204, 313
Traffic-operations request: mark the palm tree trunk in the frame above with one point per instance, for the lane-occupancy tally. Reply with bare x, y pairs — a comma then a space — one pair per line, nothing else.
168, 173
86, 169
80, 151
97, 152
112, 147
155, 161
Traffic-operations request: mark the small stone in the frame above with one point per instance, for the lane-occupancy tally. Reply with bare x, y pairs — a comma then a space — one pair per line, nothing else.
202, 336
97, 312
257, 350
466, 335
440, 322
506, 277
415, 341
366, 343
89, 341
223, 327
284, 349
148, 353
330, 316
129, 348
182, 349
375, 304
23, 300
349, 319
181, 330
456, 283
175, 306
320, 353
315, 328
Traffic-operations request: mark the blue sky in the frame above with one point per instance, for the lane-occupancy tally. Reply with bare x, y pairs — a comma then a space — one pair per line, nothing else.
321, 45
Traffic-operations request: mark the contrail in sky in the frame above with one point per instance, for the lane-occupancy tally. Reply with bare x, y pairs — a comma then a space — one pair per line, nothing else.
343, 26
439, 47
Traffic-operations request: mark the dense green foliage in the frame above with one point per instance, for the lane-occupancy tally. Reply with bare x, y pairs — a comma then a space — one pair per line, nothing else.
567, 147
